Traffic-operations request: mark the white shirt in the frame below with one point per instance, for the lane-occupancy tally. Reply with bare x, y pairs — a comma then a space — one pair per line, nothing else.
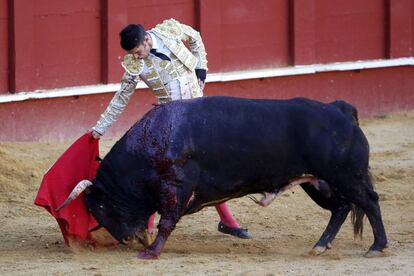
177, 92
159, 46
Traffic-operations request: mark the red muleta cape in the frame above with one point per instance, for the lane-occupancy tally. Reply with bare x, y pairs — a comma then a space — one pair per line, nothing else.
78, 162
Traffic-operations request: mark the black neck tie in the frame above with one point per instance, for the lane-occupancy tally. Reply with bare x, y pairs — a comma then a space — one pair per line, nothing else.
160, 55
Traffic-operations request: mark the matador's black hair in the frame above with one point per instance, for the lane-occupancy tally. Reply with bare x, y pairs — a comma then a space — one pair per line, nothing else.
132, 36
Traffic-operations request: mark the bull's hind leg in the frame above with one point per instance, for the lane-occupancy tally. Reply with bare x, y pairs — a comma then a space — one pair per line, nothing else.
372, 210
360, 192
339, 211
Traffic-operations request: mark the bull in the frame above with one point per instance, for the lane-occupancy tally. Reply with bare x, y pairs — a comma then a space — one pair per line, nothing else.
186, 155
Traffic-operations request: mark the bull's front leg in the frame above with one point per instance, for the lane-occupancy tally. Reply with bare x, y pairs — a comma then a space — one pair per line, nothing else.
171, 211
165, 227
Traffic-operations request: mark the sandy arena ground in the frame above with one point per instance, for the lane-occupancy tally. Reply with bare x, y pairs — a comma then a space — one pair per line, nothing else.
284, 232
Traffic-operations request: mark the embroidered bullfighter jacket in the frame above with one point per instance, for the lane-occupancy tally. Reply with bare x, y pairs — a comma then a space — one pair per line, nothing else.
169, 79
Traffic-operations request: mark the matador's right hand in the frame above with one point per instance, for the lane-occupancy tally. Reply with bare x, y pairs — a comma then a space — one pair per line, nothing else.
95, 134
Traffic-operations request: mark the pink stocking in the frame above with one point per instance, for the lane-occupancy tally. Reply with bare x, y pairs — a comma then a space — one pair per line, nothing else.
151, 223
226, 216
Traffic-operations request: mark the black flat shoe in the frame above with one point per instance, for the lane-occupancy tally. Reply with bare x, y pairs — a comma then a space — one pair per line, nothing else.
237, 232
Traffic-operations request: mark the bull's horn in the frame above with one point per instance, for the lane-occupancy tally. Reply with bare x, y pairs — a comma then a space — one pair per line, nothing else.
80, 187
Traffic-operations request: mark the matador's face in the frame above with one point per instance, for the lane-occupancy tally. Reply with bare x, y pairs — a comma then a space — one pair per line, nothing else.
142, 51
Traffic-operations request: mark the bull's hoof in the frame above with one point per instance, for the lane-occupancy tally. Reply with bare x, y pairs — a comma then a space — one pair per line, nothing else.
147, 255
375, 254
267, 199
318, 250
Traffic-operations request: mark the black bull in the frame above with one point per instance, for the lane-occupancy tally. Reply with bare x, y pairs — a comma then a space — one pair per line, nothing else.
185, 155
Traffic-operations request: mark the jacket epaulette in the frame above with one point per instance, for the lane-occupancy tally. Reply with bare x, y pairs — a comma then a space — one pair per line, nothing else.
132, 65
169, 28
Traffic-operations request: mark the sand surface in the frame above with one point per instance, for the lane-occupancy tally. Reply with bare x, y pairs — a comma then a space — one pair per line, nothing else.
284, 232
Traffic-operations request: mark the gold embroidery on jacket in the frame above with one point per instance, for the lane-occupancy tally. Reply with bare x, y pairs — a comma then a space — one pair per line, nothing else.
132, 65
182, 65
153, 78
171, 33
169, 28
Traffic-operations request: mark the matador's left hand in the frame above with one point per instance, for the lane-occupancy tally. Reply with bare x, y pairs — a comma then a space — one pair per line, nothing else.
202, 84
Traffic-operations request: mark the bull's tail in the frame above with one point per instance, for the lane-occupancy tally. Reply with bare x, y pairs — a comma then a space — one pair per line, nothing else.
357, 219
357, 214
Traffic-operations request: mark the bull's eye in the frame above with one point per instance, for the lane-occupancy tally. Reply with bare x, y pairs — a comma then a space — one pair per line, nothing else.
101, 206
